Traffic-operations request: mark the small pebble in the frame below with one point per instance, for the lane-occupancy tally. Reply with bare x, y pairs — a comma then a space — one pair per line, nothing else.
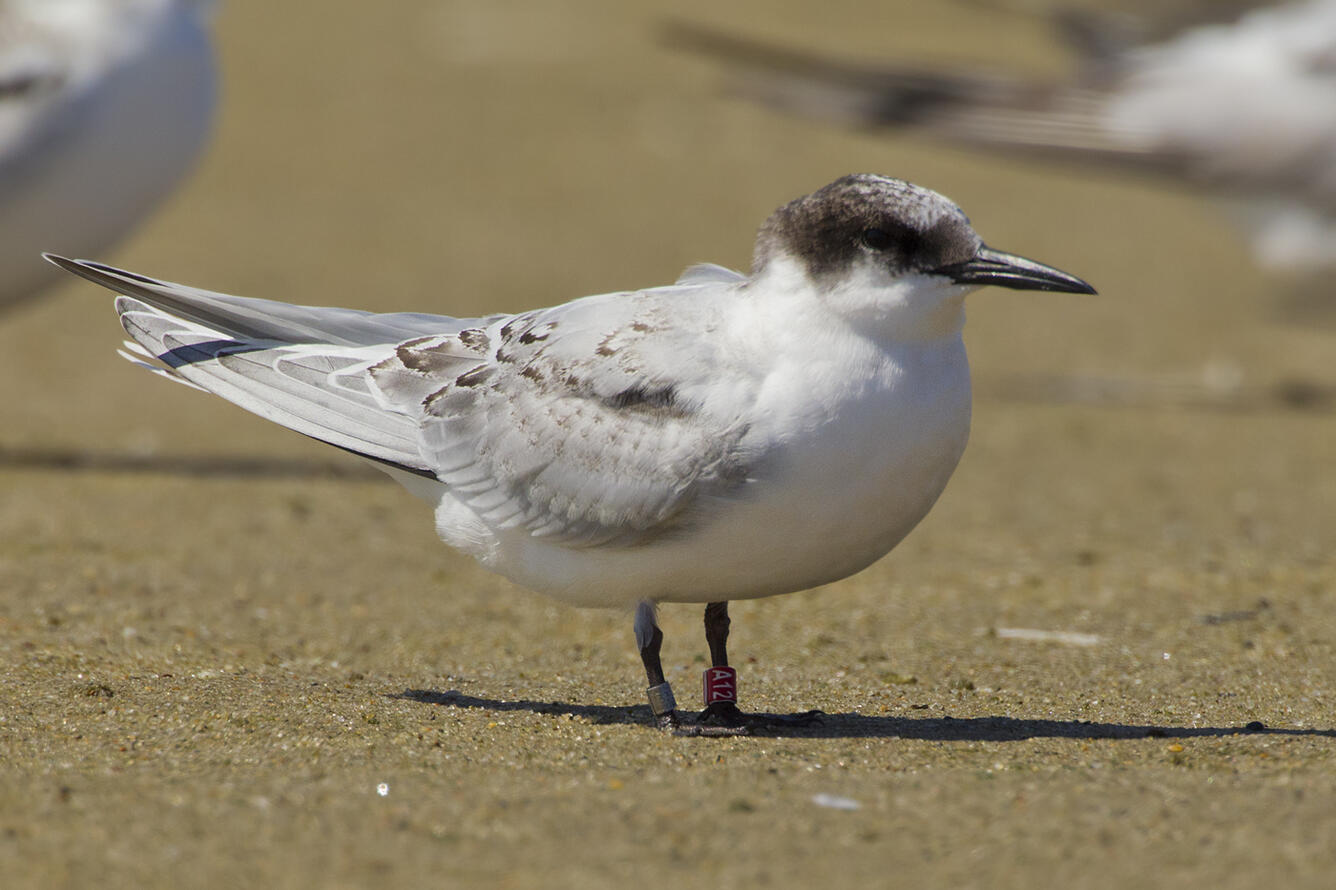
835, 802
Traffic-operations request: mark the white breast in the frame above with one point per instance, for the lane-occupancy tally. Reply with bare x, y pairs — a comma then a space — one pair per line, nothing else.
855, 449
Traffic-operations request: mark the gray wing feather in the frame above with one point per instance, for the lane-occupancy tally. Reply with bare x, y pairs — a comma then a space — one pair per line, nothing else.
710, 273
298, 386
299, 366
249, 318
581, 426
586, 424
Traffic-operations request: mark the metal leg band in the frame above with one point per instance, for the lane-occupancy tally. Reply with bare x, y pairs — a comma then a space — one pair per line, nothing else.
661, 699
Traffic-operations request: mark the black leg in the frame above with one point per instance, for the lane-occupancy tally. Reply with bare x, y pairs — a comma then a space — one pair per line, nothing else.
716, 633
722, 711
650, 640
721, 715
650, 656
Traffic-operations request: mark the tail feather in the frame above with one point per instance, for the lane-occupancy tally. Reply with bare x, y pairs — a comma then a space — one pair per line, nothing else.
302, 367
250, 318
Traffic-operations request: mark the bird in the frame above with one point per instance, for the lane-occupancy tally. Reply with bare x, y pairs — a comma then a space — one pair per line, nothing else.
104, 107
1241, 108
725, 437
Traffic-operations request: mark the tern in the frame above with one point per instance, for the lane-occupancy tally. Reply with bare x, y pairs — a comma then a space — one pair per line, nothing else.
104, 107
726, 437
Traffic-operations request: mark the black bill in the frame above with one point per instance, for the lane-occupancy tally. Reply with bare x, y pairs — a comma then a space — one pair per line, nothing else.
1008, 270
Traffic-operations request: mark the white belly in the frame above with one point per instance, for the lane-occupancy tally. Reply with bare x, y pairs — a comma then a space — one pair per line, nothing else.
832, 494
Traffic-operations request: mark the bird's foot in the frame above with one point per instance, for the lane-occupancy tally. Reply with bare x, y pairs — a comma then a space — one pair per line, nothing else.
693, 727
721, 718
667, 718
727, 714
721, 713
724, 719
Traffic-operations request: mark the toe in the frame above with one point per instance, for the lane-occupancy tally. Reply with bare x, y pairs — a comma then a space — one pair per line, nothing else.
668, 721
722, 713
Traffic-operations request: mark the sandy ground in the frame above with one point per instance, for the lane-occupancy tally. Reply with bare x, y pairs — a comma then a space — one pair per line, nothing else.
217, 639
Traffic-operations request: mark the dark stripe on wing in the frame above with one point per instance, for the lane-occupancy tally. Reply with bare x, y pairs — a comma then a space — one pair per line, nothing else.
416, 471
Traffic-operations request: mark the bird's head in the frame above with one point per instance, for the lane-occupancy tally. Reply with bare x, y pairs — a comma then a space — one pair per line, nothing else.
884, 251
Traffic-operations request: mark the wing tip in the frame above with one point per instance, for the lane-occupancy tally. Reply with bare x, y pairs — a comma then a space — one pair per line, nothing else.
99, 273
62, 262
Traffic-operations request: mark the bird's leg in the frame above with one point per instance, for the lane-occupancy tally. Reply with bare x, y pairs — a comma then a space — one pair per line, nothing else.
716, 633
721, 681
650, 639
721, 715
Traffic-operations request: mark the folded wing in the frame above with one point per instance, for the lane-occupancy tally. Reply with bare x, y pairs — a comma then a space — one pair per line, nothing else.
302, 367
580, 424
582, 427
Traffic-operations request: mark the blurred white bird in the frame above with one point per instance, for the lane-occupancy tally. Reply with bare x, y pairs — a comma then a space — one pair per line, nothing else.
727, 437
1245, 108
104, 105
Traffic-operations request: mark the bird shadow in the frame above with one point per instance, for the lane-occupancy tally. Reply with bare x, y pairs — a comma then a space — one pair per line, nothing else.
216, 466
858, 726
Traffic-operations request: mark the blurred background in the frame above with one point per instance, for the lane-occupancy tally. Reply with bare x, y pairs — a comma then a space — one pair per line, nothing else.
469, 157
186, 589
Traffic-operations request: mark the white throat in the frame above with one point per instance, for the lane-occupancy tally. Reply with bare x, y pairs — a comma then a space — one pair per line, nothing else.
912, 308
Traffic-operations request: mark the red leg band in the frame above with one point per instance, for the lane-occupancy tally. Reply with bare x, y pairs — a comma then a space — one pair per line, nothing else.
721, 684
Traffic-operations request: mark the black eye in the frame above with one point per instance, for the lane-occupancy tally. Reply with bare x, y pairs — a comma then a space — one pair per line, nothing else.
876, 238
